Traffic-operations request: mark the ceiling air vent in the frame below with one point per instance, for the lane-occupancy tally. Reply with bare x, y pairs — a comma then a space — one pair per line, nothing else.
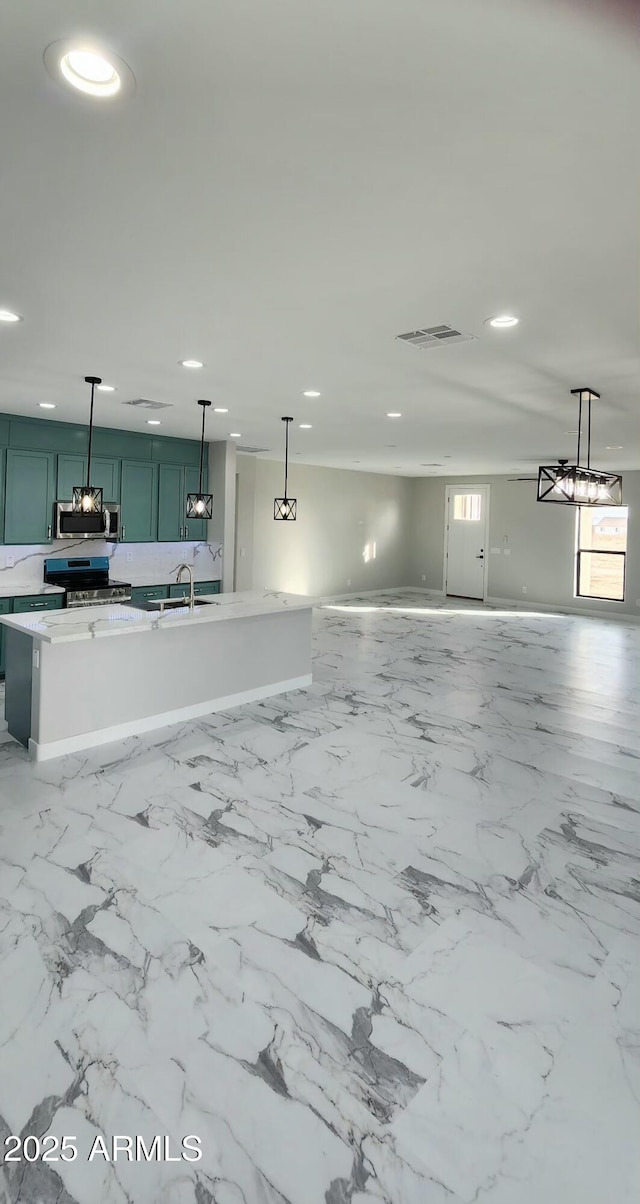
144, 404
252, 451
433, 336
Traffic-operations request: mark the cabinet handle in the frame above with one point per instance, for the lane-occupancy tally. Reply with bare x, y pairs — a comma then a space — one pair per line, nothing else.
49, 531
123, 532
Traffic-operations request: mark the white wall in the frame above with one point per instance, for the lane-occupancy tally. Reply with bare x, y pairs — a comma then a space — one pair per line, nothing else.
222, 483
340, 514
541, 538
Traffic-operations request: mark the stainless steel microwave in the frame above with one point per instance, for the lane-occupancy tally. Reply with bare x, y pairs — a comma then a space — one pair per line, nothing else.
73, 524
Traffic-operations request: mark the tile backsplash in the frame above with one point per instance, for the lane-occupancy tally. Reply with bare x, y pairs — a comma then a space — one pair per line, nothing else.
134, 562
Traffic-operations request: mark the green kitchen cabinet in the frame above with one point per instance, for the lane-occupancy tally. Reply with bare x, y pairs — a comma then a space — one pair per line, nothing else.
172, 509
72, 470
175, 482
181, 590
148, 593
23, 605
196, 528
139, 501
29, 496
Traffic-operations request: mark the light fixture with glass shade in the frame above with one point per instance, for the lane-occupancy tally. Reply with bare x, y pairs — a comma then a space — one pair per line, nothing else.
87, 499
200, 505
577, 484
285, 509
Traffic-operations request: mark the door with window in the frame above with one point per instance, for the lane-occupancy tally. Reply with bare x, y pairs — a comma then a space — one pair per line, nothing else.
601, 552
467, 530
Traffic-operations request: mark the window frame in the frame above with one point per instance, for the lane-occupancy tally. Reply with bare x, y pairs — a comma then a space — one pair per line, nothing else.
600, 552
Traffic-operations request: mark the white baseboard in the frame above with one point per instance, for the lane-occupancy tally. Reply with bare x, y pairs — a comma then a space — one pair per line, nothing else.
137, 727
547, 608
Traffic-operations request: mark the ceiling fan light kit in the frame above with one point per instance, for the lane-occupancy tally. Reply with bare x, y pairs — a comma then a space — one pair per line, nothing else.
576, 484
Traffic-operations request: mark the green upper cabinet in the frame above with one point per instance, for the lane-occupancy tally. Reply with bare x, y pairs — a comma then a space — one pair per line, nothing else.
139, 501
172, 511
72, 470
175, 482
29, 496
196, 528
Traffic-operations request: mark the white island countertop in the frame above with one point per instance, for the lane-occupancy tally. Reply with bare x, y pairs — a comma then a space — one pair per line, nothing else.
92, 622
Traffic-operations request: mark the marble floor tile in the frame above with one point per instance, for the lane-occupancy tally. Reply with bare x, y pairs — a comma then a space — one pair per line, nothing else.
376, 942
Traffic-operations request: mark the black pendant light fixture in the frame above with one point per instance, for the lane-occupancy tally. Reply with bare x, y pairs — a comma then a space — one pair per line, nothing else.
285, 508
86, 498
576, 484
200, 505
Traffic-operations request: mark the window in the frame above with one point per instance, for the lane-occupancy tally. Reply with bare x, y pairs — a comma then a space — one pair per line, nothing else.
468, 507
601, 552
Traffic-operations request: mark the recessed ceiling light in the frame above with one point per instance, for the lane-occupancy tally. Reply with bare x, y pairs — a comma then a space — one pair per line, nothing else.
305, 426
90, 69
7, 315
107, 388
394, 414
502, 322
614, 446
153, 422
47, 405
219, 410
191, 364
311, 393
235, 435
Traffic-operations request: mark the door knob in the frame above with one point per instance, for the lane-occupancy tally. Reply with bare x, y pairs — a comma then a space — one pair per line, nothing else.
480, 557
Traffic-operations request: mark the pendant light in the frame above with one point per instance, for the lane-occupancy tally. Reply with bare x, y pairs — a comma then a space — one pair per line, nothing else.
200, 505
285, 508
576, 484
87, 499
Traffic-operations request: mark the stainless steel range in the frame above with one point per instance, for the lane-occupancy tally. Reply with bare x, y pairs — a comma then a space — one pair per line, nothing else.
85, 580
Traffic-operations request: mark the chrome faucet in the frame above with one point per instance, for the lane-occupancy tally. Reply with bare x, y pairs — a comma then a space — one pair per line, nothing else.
179, 579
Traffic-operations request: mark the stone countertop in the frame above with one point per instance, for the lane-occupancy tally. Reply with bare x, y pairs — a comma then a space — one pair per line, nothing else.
27, 589
63, 626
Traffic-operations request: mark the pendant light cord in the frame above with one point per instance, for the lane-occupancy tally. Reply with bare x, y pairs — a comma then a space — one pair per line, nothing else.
286, 457
204, 411
90, 438
579, 427
589, 434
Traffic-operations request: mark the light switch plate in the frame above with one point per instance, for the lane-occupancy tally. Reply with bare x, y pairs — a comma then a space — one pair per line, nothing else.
496, 551
507, 551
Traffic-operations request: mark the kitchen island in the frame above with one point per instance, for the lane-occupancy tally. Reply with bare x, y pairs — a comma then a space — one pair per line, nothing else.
79, 678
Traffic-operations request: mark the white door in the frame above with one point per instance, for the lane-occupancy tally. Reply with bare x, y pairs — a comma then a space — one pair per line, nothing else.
467, 532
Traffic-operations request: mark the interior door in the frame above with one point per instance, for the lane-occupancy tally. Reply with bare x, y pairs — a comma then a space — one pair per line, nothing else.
466, 541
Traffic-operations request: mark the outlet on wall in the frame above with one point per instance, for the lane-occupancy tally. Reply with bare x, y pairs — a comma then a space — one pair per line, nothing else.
524, 589
129, 557
10, 561
424, 578
348, 581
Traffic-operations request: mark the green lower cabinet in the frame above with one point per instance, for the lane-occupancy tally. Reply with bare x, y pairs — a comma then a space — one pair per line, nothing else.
22, 606
29, 496
139, 502
72, 470
148, 593
199, 588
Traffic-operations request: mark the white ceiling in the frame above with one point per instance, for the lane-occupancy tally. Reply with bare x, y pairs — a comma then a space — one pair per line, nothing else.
293, 184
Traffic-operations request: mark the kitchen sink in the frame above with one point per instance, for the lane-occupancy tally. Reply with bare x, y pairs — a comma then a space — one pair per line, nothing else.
160, 605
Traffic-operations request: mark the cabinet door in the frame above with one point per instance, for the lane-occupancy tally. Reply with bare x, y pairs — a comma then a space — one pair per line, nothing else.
196, 528
148, 593
22, 606
29, 496
72, 470
139, 501
172, 504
